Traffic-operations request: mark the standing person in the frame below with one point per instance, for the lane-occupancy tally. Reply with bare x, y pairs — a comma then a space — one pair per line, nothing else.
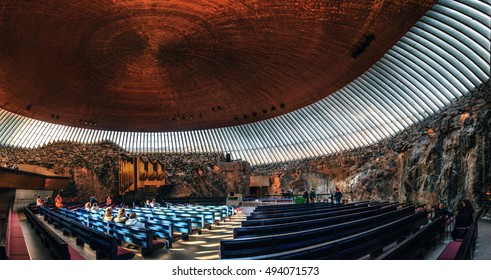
306, 196
58, 201
312, 196
39, 201
441, 210
463, 220
92, 200
337, 196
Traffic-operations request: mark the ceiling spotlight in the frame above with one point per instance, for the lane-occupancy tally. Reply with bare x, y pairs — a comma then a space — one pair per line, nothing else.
245, 116
265, 111
273, 108
282, 105
29, 107
254, 114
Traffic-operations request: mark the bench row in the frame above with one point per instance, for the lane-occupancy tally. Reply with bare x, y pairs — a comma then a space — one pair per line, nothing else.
355, 246
105, 246
295, 239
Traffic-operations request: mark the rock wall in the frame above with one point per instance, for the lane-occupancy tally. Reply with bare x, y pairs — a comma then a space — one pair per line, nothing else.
94, 169
446, 157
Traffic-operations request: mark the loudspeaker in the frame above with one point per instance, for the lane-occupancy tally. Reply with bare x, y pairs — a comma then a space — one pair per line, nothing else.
228, 158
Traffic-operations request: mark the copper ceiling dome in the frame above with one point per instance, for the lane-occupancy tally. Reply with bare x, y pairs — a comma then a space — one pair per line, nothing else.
184, 65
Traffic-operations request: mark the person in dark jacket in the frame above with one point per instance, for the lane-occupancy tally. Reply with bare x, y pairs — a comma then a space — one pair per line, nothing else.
306, 196
337, 196
441, 210
312, 196
463, 220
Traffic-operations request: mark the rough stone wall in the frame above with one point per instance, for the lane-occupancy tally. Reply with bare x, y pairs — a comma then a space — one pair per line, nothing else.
446, 157
94, 169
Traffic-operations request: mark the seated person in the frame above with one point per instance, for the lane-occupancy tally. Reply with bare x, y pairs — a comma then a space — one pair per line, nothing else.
108, 216
154, 204
94, 208
121, 217
87, 206
133, 222
148, 204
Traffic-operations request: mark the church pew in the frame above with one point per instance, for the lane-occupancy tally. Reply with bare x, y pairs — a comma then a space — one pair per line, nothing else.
305, 207
180, 225
312, 216
246, 247
307, 211
288, 207
370, 242
163, 230
416, 245
142, 237
57, 246
310, 222
104, 245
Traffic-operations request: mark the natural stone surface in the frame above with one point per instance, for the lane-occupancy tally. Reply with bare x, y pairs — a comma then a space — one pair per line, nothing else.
446, 157
94, 169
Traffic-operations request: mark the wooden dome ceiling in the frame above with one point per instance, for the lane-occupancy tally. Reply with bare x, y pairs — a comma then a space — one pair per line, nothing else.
183, 64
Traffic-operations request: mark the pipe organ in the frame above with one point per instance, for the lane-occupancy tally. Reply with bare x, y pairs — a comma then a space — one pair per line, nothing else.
137, 173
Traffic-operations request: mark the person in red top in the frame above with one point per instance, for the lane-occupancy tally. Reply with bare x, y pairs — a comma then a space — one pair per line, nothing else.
109, 201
